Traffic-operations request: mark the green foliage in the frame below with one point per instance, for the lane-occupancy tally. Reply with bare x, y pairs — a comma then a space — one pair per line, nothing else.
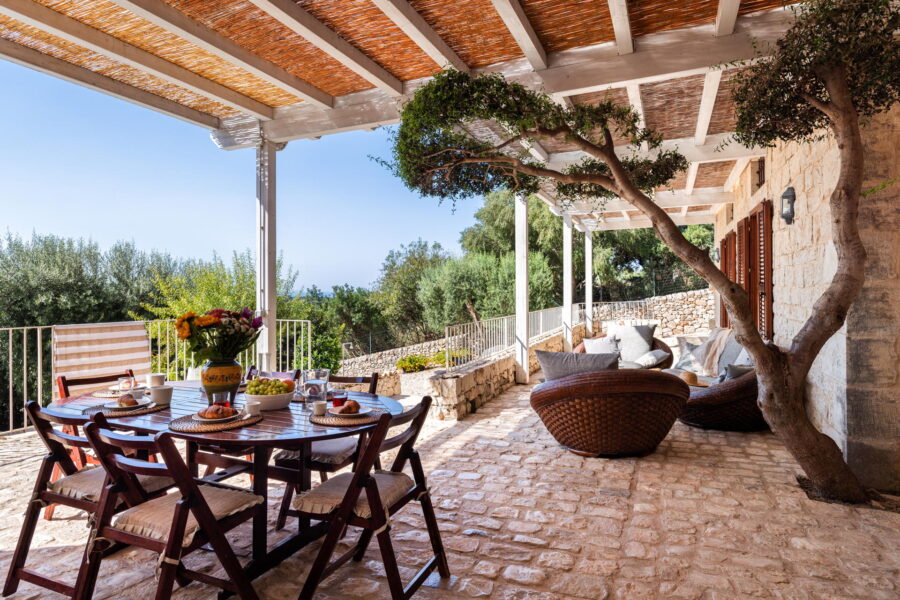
856, 36
413, 363
439, 358
435, 156
365, 325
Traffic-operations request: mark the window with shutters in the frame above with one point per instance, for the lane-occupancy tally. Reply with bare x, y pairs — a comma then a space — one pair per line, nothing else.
746, 258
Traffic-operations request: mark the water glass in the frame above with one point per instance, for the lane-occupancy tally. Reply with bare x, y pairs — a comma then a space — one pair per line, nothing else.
221, 398
125, 384
315, 383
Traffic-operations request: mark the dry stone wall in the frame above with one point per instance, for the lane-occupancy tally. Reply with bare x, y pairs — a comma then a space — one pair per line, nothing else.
387, 361
684, 313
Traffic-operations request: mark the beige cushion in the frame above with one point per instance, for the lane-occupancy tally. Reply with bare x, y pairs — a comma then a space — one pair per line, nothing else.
334, 451
87, 484
153, 519
327, 496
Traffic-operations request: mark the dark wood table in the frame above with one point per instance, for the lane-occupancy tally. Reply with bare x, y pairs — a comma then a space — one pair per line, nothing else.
288, 428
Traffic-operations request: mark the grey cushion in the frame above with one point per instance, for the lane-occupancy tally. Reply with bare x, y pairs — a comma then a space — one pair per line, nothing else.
744, 358
729, 353
601, 345
689, 356
652, 358
634, 340
735, 371
627, 364
561, 364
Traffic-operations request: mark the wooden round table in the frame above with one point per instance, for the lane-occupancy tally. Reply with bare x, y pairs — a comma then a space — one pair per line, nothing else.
288, 428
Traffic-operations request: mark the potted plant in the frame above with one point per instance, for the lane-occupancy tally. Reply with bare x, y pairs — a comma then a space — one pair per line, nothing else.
218, 337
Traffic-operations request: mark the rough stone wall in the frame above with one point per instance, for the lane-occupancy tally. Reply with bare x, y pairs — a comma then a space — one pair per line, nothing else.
677, 314
387, 360
854, 385
388, 384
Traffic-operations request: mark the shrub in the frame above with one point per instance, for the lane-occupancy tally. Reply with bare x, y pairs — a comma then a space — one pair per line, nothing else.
413, 363
457, 357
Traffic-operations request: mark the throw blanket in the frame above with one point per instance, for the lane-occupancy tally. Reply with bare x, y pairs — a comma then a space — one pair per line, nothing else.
716, 342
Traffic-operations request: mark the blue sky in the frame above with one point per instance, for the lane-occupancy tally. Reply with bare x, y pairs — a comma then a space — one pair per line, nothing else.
78, 163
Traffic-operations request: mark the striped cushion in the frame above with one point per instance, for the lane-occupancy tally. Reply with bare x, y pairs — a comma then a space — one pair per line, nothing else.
153, 519
87, 484
327, 496
334, 452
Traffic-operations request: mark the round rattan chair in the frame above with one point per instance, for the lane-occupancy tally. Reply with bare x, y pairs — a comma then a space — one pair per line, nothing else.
611, 413
727, 406
658, 344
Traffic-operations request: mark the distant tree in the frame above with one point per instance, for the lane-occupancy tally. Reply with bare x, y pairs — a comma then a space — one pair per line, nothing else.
364, 323
839, 62
396, 289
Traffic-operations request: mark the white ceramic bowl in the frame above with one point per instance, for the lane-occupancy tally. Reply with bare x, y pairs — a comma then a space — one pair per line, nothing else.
273, 402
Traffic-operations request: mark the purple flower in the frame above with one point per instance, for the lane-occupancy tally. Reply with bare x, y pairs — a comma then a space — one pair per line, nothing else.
256, 323
246, 313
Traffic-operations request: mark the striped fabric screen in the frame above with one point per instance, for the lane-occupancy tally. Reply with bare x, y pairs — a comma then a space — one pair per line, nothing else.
100, 349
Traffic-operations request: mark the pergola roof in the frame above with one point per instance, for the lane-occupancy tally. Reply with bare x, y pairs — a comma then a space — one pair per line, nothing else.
286, 69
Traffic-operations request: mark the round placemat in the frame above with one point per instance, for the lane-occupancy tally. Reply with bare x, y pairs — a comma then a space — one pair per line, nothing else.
113, 413
187, 424
336, 421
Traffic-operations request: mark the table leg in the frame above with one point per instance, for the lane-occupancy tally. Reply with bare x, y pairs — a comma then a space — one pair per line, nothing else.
260, 488
305, 481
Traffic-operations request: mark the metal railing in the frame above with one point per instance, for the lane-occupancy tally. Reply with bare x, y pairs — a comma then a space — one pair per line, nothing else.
26, 361
543, 323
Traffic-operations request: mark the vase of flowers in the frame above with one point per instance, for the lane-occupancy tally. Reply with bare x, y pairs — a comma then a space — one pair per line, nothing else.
218, 337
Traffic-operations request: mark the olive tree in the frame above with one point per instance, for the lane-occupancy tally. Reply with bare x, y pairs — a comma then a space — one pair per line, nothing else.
838, 63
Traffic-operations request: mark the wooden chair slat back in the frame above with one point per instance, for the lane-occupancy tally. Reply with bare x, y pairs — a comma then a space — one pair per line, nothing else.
55, 440
63, 383
252, 372
372, 380
407, 440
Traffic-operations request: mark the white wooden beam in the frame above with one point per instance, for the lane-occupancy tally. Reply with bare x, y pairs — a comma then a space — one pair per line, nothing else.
634, 97
174, 21
266, 253
513, 16
726, 16
308, 27
618, 10
588, 283
536, 150
523, 370
57, 24
691, 178
625, 215
694, 218
735, 174
664, 199
568, 283
707, 104
420, 32
56, 67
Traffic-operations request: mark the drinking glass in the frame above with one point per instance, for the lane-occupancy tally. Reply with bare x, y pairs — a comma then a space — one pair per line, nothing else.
125, 384
315, 383
221, 398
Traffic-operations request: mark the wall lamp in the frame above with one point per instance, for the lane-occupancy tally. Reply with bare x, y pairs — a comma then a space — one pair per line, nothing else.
787, 205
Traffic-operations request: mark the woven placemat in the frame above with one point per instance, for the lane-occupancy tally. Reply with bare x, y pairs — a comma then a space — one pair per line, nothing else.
112, 412
333, 421
188, 424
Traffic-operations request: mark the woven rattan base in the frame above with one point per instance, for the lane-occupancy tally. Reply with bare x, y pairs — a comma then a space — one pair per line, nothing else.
333, 421
113, 413
188, 424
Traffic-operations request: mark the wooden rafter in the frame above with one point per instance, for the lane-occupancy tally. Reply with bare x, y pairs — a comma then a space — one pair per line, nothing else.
634, 97
707, 104
726, 16
691, 178
513, 16
174, 21
736, 171
611, 224
51, 65
618, 10
74, 31
315, 32
419, 31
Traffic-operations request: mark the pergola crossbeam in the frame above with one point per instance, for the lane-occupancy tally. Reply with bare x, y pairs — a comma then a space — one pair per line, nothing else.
174, 21
691, 178
67, 71
634, 97
707, 104
618, 10
642, 222
419, 31
319, 35
726, 16
74, 31
513, 16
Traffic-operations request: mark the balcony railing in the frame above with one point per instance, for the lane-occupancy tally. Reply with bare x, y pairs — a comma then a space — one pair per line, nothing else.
26, 361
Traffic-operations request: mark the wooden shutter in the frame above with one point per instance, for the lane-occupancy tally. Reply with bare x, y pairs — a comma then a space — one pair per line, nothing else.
742, 252
764, 309
728, 265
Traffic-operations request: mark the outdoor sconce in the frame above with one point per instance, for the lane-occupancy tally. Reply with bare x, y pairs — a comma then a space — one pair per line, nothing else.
787, 205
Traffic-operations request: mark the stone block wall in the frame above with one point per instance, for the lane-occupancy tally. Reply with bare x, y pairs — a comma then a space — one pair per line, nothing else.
684, 313
854, 384
387, 360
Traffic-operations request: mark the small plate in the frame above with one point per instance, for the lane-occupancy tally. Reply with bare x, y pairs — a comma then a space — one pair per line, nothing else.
115, 388
222, 420
115, 405
363, 411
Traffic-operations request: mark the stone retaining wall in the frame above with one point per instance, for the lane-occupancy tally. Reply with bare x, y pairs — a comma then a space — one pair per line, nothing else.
678, 314
387, 360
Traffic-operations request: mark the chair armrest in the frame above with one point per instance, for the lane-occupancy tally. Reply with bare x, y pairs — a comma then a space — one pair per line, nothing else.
727, 391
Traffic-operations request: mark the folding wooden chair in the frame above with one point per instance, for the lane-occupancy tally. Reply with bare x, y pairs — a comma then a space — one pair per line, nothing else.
327, 456
252, 372
172, 525
80, 489
368, 499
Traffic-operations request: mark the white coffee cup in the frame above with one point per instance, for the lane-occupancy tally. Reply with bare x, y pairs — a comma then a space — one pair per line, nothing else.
137, 393
253, 407
161, 394
319, 407
156, 379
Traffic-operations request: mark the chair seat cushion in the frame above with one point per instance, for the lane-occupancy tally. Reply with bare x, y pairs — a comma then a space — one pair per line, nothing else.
333, 452
557, 365
153, 519
87, 484
327, 496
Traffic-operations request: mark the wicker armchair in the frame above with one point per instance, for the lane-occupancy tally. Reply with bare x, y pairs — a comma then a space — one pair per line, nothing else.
658, 344
727, 406
610, 413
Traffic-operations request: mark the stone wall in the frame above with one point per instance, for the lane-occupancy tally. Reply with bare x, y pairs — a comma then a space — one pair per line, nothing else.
854, 384
387, 360
388, 384
684, 313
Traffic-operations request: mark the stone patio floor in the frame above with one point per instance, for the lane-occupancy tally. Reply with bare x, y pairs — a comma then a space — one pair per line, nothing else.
710, 515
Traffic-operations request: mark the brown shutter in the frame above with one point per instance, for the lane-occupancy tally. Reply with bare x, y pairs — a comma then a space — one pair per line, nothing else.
742, 254
728, 265
764, 272
723, 266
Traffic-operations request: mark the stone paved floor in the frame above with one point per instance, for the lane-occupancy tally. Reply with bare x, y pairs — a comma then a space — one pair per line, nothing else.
710, 515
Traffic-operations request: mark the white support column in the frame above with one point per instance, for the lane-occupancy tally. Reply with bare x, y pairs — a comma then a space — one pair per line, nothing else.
266, 253
568, 283
522, 333
588, 284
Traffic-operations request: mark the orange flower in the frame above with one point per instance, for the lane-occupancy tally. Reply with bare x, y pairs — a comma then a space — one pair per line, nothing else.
206, 320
